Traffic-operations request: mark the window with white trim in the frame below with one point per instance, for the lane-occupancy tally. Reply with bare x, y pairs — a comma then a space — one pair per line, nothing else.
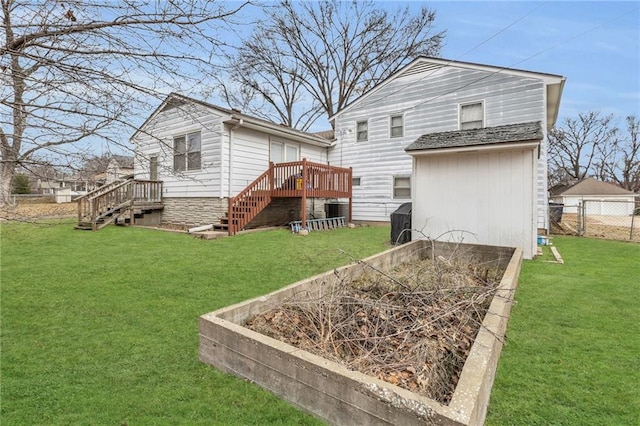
283, 152
356, 181
396, 126
362, 131
402, 187
472, 116
186, 152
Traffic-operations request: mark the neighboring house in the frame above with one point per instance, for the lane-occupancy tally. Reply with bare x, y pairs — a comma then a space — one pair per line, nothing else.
465, 169
205, 154
601, 198
120, 167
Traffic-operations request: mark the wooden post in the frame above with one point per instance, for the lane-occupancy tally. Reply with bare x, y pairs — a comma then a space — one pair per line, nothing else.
80, 204
350, 186
304, 193
132, 212
230, 218
94, 214
271, 178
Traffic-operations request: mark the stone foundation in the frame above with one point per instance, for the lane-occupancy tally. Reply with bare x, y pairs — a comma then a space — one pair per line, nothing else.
190, 212
193, 211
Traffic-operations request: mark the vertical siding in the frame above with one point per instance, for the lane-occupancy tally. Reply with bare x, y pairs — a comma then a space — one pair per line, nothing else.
484, 198
429, 103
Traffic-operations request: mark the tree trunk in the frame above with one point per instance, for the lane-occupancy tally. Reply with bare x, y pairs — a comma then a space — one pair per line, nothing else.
7, 171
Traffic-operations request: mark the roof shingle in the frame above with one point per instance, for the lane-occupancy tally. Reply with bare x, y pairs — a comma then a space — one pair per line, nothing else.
477, 137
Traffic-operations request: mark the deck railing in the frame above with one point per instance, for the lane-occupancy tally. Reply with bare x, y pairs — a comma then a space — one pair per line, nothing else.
109, 198
250, 201
297, 179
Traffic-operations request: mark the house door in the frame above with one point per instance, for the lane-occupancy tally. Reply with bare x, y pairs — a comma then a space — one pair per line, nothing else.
153, 168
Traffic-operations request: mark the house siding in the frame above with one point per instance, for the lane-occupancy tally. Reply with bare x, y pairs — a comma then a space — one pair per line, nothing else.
231, 158
429, 102
164, 127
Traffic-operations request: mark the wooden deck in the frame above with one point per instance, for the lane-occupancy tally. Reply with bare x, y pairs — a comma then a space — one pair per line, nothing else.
107, 204
298, 179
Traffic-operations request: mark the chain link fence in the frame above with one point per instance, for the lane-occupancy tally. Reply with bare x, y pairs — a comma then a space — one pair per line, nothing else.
616, 220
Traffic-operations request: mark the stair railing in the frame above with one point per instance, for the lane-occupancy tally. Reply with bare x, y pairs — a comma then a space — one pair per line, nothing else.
250, 201
116, 195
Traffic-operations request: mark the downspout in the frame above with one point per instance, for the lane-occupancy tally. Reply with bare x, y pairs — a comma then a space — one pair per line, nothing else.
231, 133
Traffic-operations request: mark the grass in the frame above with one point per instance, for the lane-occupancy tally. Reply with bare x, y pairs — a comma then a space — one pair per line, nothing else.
573, 349
101, 328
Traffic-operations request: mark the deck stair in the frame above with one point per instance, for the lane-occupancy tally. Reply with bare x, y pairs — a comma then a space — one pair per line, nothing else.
298, 179
120, 202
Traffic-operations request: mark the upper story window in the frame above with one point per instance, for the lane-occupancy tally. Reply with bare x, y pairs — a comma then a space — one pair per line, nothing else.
362, 131
396, 128
472, 116
186, 152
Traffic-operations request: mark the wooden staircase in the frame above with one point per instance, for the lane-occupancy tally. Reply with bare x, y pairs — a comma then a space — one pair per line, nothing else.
119, 202
298, 179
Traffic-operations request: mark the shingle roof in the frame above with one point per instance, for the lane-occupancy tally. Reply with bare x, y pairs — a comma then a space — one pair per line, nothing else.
477, 137
124, 161
589, 186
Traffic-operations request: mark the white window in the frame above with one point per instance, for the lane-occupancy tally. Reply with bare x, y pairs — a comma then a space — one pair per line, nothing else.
186, 152
396, 129
402, 187
283, 152
362, 131
472, 116
355, 181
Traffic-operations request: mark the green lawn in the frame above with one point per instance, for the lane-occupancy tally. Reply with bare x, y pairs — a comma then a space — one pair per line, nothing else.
101, 327
573, 349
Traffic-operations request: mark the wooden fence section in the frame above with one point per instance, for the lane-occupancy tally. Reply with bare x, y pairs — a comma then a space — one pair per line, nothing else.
297, 179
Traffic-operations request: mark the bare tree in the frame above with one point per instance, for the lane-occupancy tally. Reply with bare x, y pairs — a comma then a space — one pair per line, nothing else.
621, 164
576, 146
311, 58
76, 72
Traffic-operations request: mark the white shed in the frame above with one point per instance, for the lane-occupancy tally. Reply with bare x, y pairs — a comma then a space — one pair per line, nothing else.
477, 186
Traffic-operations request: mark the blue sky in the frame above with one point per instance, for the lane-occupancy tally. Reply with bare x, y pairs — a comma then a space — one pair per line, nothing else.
595, 45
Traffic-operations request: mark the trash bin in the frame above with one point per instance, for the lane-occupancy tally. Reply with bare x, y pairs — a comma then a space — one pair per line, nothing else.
401, 224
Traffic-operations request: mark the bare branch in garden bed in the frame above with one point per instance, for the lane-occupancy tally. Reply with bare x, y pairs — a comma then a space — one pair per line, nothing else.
412, 326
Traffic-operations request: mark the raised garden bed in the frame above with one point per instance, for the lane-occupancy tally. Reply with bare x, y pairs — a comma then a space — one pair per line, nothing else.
341, 395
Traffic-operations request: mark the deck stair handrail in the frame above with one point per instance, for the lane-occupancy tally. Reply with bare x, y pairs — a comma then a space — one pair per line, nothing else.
245, 206
299, 179
103, 205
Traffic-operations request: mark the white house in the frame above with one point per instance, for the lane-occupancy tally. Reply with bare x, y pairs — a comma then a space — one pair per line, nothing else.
599, 198
437, 96
120, 167
482, 129
205, 154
